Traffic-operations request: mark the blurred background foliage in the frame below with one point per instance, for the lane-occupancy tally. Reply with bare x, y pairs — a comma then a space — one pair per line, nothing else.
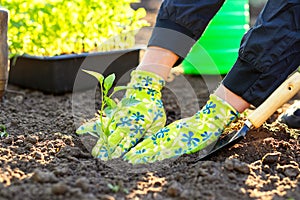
55, 27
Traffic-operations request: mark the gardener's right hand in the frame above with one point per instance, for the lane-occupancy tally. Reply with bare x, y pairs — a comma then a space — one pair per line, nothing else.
133, 123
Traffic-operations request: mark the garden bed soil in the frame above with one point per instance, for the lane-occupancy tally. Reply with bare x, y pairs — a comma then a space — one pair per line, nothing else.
43, 158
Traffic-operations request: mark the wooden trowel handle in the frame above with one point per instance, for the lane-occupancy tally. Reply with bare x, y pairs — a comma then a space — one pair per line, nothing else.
281, 95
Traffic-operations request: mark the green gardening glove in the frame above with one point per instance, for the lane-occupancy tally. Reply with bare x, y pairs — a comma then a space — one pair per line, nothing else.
187, 135
131, 123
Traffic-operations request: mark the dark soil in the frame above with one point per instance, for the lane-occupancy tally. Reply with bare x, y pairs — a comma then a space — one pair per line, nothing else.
43, 158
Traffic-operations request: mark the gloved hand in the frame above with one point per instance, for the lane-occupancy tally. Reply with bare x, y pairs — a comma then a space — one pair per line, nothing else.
187, 135
130, 124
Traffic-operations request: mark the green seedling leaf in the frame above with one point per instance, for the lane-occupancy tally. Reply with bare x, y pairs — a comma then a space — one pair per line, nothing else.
94, 131
109, 112
114, 188
97, 75
3, 132
108, 82
127, 102
109, 102
126, 191
118, 88
93, 134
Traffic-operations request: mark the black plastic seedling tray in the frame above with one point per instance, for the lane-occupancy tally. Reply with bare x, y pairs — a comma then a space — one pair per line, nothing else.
58, 74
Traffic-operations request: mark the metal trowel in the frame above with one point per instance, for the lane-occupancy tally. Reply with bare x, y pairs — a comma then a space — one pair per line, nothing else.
281, 95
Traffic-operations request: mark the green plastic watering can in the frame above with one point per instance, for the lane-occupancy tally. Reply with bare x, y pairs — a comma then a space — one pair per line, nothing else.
217, 50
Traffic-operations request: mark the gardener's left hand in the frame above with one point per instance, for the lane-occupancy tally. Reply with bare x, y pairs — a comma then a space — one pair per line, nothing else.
130, 123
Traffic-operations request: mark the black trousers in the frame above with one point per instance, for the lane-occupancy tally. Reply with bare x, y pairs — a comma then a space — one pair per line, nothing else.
269, 51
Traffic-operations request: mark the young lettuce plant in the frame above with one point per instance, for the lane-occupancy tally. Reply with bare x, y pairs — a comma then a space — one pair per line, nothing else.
109, 107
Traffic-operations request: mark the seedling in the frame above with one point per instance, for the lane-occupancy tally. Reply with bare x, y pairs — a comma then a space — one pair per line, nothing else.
114, 188
109, 107
117, 188
3, 132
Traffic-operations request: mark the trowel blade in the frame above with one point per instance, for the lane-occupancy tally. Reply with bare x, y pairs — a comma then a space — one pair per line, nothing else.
226, 141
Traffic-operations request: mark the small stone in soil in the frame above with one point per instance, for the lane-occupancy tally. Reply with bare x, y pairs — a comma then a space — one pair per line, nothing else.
174, 189
107, 197
32, 139
38, 155
61, 171
235, 164
271, 158
291, 171
60, 188
8, 140
44, 177
83, 184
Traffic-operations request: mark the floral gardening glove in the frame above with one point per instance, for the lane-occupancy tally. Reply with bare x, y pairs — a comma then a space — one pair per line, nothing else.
187, 135
131, 123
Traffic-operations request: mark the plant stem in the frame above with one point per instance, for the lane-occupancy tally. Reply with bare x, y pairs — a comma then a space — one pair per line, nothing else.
102, 107
104, 131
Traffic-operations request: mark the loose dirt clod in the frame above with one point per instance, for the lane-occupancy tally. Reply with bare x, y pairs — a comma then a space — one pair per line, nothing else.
60, 188
44, 177
271, 158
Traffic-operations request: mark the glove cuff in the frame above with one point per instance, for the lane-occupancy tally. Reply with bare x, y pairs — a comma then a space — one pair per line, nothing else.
220, 110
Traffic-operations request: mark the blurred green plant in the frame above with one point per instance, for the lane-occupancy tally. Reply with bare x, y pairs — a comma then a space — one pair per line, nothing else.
3, 132
55, 27
117, 188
